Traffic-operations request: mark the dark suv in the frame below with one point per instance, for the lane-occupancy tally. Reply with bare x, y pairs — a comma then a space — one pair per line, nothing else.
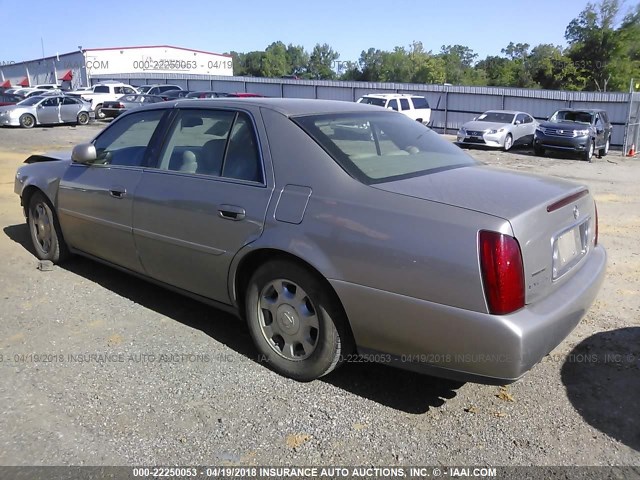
577, 130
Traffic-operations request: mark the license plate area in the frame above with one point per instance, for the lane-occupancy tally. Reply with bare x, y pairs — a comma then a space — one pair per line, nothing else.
569, 247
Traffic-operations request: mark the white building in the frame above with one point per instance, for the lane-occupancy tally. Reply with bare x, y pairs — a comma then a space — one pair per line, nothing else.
87, 66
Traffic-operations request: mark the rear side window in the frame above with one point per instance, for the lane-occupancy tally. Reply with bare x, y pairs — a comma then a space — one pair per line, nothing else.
219, 143
420, 102
404, 104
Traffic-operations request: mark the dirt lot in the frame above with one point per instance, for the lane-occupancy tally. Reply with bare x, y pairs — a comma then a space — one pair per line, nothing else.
100, 368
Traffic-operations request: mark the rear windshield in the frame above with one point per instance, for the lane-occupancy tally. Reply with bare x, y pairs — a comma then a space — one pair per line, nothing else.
380, 102
420, 102
377, 147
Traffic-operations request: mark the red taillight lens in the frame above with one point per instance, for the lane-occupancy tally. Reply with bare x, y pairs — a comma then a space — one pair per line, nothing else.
120, 105
595, 239
502, 272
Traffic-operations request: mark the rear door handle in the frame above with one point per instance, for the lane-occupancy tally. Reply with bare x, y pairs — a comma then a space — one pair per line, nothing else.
118, 192
232, 212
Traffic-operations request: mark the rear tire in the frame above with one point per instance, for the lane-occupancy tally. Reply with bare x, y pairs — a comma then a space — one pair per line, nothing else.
296, 321
45, 230
603, 151
27, 121
83, 118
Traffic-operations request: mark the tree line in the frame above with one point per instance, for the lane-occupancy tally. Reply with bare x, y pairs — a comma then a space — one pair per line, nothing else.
602, 53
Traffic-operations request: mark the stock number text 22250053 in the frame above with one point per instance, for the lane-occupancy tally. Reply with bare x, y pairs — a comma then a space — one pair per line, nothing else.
164, 64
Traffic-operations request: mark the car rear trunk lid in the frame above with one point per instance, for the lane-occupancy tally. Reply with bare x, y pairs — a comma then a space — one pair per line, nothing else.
552, 219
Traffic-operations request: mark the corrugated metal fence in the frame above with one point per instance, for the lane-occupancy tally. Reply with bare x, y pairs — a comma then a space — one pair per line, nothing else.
451, 105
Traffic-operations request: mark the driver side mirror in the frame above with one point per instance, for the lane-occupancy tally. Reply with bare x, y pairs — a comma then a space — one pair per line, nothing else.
518, 122
84, 153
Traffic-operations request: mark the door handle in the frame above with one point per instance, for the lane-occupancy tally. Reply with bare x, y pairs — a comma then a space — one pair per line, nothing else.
232, 212
117, 193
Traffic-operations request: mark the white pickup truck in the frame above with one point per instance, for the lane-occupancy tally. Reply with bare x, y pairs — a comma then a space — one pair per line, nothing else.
103, 92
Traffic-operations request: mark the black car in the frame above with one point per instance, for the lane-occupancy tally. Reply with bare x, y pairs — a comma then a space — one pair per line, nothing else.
575, 130
207, 94
174, 94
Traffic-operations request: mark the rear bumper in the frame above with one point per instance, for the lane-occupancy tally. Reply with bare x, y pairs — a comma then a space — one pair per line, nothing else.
464, 345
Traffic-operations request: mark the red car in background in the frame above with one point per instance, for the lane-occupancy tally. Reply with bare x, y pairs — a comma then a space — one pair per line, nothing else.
9, 99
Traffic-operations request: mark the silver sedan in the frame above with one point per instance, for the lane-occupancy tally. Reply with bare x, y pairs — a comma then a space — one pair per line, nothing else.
499, 128
335, 229
46, 110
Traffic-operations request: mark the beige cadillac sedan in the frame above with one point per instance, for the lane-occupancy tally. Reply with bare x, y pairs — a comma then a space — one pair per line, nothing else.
335, 229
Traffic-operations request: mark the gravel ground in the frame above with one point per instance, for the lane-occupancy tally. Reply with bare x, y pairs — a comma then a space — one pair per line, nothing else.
99, 368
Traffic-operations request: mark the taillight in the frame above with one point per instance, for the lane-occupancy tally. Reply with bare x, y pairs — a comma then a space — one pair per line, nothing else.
502, 272
120, 105
595, 239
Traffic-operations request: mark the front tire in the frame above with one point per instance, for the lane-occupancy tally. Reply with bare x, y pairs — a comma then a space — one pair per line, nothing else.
508, 142
538, 150
296, 321
45, 230
588, 154
83, 118
27, 121
99, 113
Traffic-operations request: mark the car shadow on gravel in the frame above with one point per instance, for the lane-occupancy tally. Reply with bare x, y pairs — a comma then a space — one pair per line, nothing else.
399, 389
402, 390
602, 378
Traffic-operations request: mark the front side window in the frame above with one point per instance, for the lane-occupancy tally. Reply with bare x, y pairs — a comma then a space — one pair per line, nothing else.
379, 147
51, 102
520, 118
125, 142
220, 143
393, 104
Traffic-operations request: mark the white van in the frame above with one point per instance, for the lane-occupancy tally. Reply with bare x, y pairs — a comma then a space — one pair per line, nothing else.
413, 106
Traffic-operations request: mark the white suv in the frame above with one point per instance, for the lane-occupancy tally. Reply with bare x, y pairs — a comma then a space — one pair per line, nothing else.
413, 106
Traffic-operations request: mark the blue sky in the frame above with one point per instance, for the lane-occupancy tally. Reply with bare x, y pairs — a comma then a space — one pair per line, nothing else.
348, 26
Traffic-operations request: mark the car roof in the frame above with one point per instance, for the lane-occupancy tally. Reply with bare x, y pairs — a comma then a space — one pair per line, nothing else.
590, 110
511, 112
391, 95
286, 106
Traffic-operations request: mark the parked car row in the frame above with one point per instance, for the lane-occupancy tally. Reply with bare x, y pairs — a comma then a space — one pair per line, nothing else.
104, 100
585, 132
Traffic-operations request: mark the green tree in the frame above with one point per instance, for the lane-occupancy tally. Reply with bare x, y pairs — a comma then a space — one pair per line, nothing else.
297, 59
551, 69
594, 43
517, 71
321, 62
253, 63
458, 61
274, 62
